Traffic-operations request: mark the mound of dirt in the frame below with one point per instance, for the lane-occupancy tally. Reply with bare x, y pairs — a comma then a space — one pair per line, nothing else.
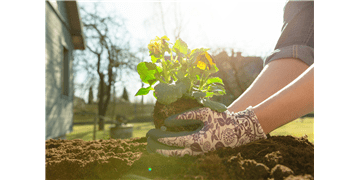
100, 159
278, 157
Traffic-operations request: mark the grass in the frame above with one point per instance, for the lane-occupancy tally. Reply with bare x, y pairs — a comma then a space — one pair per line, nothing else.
296, 128
85, 132
128, 110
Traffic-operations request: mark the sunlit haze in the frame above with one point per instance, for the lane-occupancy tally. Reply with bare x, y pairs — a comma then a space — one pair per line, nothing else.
251, 27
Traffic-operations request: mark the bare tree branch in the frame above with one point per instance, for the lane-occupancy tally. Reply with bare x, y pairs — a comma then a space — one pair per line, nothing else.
162, 17
106, 51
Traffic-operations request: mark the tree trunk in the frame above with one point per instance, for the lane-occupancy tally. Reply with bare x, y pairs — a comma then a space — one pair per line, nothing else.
101, 121
101, 111
118, 55
103, 105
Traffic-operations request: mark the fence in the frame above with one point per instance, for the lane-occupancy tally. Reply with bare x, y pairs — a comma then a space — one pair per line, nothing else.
107, 120
130, 112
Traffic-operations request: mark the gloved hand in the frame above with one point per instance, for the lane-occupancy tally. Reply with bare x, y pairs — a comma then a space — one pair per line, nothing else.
217, 130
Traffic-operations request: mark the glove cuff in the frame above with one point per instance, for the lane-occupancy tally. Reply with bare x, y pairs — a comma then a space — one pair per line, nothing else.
258, 130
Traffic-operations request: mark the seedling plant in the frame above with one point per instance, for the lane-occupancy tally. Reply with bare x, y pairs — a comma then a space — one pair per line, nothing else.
177, 72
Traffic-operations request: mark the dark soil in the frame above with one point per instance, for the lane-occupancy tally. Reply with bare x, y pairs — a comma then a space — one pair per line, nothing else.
161, 112
278, 157
100, 159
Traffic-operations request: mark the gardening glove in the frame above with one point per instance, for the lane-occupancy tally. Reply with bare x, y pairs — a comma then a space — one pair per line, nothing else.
217, 130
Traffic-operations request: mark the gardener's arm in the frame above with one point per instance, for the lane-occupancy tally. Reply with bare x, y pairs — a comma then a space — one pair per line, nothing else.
274, 76
293, 101
292, 55
228, 129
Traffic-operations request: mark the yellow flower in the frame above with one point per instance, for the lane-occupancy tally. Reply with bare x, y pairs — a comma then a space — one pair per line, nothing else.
165, 38
204, 60
201, 65
157, 45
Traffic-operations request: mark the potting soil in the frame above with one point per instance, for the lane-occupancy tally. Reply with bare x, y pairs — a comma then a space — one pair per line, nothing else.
277, 157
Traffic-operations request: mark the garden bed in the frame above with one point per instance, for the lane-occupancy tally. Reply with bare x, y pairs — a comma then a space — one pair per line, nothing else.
278, 157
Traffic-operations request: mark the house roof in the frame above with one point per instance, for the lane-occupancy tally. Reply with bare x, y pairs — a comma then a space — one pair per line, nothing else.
76, 26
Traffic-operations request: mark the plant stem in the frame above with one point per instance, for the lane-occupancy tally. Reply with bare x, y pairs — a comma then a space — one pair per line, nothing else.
201, 82
165, 70
191, 85
171, 56
162, 81
191, 78
173, 76
206, 77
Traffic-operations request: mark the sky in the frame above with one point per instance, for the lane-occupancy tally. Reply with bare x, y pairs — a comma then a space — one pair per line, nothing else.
251, 27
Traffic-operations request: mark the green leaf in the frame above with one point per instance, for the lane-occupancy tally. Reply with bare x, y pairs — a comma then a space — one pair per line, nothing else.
157, 75
214, 80
150, 66
154, 59
145, 73
194, 53
216, 106
183, 84
173, 76
209, 94
173, 66
180, 47
180, 75
197, 71
213, 69
197, 50
158, 72
188, 95
169, 93
159, 69
152, 81
165, 46
144, 91
215, 88
199, 94
158, 56
219, 93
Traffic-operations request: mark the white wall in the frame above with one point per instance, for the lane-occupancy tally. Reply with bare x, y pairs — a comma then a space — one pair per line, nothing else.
59, 108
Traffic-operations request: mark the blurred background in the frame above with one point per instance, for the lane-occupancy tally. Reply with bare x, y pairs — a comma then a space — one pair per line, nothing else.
93, 47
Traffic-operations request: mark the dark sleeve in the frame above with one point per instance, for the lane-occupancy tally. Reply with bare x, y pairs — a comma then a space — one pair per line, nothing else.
297, 35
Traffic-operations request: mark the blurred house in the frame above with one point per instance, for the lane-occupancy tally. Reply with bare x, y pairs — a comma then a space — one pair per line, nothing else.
237, 73
64, 34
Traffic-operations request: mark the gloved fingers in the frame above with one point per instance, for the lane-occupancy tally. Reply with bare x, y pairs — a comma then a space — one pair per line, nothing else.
156, 134
178, 152
173, 122
194, 115
153, 145
180, 141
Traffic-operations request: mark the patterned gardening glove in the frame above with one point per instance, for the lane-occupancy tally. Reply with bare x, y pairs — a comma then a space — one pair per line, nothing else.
217, 130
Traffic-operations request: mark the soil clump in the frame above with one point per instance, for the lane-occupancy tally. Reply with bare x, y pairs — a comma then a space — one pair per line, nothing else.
161, 112
277, 157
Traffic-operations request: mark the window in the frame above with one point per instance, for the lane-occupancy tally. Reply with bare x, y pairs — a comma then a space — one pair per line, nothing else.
65, 73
